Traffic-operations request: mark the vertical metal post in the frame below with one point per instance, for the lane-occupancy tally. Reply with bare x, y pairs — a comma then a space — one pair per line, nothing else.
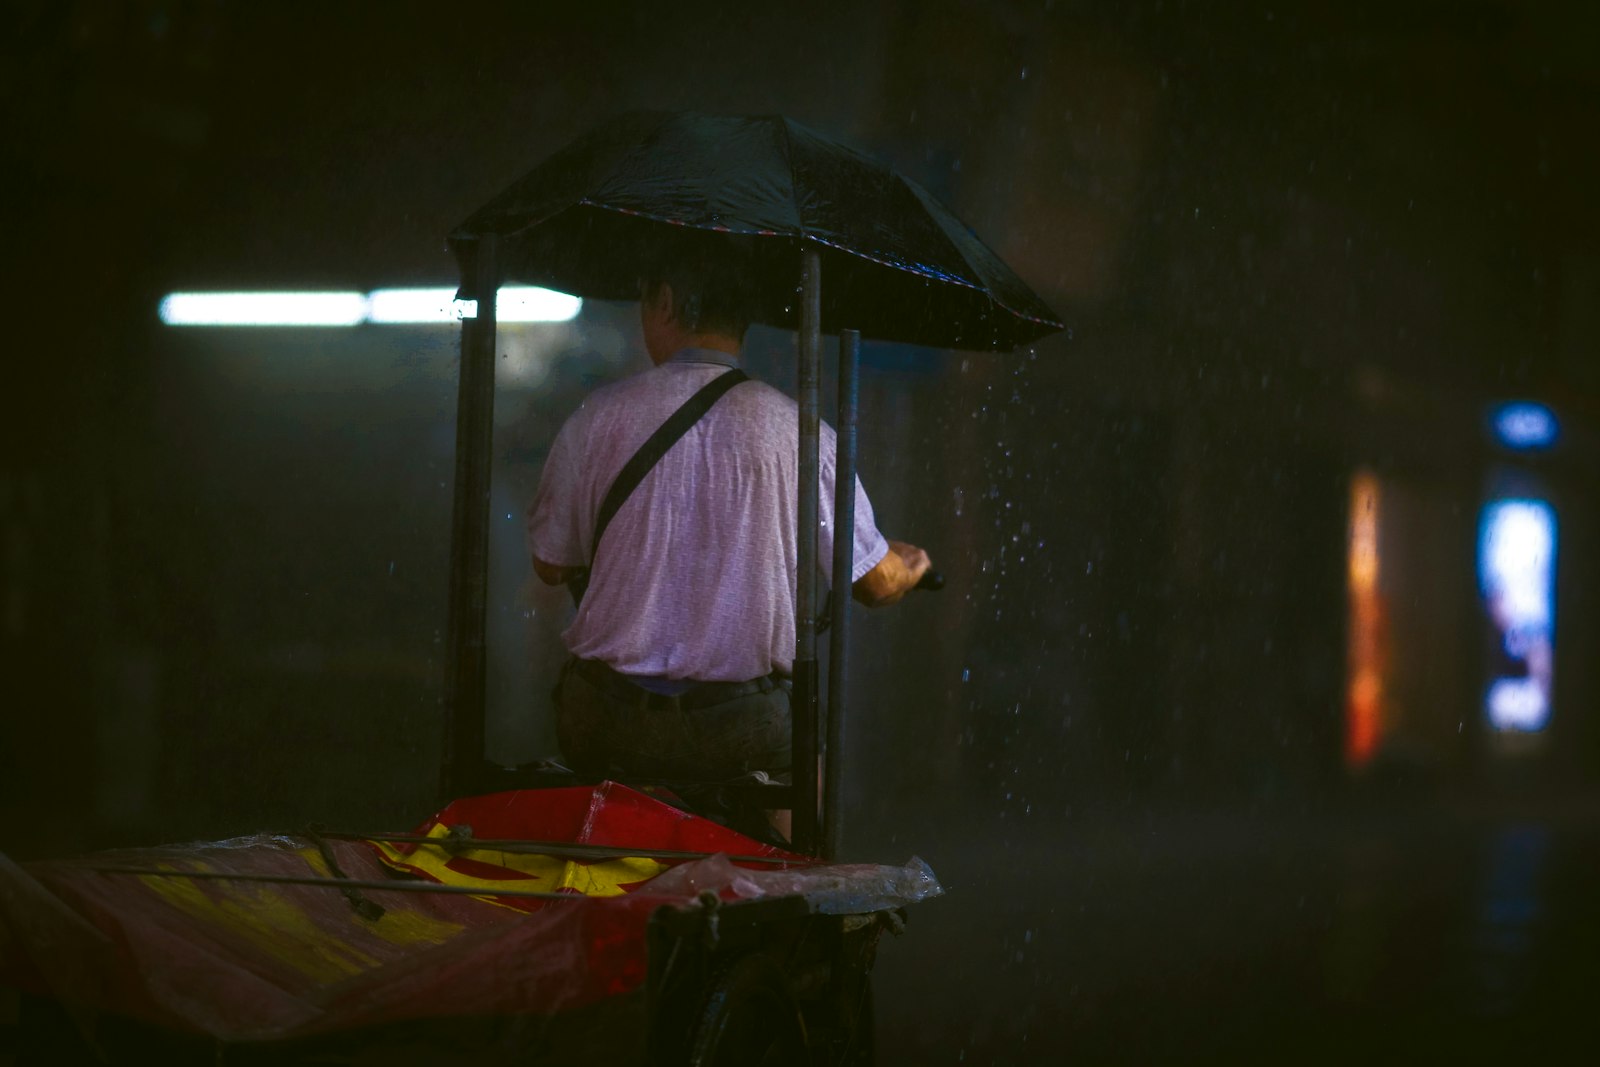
844, 538
469, 534
804, 828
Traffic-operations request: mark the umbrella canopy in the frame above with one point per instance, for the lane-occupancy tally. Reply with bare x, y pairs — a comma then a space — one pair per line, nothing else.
898, 265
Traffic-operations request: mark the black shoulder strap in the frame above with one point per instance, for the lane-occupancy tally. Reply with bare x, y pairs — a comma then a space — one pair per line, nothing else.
660, 442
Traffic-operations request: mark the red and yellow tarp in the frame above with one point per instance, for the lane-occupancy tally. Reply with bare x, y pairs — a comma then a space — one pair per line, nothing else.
611, 816
243, 960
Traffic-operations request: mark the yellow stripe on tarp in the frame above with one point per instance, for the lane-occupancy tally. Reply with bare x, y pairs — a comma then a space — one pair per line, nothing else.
263, 916
399, 924
273, 922
602, 878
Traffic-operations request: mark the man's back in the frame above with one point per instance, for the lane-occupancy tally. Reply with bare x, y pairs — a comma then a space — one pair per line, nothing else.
695, 577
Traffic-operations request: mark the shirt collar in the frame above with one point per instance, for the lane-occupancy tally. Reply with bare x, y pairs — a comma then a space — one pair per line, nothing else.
704, 355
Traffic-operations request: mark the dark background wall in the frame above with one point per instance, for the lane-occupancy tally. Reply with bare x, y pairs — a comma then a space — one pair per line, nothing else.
1290, 242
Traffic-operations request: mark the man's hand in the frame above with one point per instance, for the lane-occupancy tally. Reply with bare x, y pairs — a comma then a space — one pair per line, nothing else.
896, 574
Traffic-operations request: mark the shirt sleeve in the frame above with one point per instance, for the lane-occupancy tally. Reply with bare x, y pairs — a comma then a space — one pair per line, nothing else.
870, 545
555, 527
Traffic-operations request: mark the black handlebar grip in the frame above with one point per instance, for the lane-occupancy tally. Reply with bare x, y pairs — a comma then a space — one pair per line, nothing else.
932, 581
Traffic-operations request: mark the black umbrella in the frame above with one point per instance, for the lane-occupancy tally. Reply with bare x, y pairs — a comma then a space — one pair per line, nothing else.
790, 206
900, 266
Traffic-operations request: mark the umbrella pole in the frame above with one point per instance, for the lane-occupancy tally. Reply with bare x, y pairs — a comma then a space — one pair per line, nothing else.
844, 538
469, 534
804, 748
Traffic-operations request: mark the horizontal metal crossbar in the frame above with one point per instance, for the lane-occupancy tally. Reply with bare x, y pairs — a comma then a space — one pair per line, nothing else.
557, 848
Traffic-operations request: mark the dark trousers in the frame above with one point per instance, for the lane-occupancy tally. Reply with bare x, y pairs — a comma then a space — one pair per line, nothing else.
607, 726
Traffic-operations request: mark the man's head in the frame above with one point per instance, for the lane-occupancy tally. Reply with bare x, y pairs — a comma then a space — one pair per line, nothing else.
694, 299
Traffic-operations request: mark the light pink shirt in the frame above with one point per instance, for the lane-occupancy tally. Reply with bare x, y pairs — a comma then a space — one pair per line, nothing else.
696, 575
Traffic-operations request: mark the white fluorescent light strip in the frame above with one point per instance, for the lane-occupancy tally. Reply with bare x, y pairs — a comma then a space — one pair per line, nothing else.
531, 304
413, 305
264, 309
383, 306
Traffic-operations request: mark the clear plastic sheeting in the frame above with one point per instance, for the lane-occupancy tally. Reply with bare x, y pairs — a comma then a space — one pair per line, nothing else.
830, 889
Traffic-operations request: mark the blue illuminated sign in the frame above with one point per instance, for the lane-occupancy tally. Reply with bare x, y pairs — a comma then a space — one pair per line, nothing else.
1525, 425
1516, 574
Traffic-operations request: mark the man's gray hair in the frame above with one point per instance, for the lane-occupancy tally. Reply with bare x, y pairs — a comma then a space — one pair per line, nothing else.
712, 287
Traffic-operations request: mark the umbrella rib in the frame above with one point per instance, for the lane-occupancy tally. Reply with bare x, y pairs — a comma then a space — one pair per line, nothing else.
610, 169
935, 210
946, 278
788, 159
924, 200
669, 220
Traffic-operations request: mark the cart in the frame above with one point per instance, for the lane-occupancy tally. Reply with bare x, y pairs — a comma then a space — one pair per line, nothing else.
517, 927
537, 918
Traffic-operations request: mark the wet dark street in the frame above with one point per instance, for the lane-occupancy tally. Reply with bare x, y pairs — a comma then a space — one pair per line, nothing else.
1439, 930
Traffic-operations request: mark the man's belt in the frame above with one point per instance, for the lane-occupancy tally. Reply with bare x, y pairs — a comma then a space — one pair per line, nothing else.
701, 695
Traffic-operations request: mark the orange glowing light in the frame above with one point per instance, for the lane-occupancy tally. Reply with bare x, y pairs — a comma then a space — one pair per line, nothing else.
1364, 691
